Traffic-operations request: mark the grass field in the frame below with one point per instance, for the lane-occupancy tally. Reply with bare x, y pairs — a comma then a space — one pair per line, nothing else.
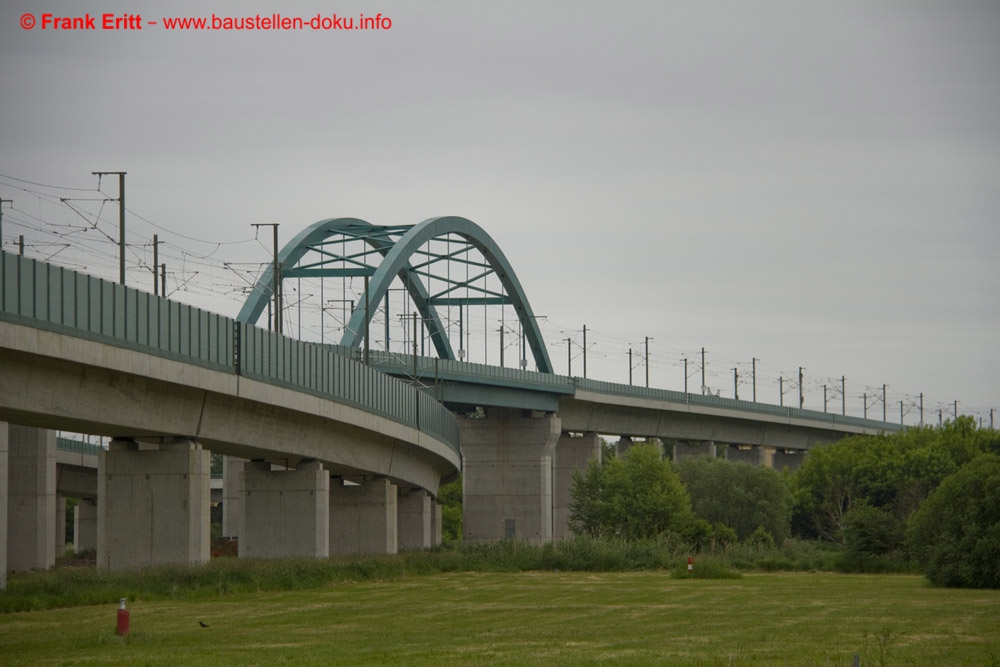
536, 618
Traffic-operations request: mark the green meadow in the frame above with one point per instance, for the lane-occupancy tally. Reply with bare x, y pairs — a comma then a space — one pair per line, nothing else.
534, 618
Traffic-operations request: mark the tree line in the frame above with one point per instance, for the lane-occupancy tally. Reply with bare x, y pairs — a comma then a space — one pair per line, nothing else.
926, 498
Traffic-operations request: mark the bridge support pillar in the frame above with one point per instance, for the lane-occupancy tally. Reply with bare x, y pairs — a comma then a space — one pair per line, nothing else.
788, 458
363, 517
31, 498
571, 454
682, 449
754, 455
60, 526
85, 526
507, 476
285, 512
436, 532
153, 504
232, 488
623, 445
4, 439
414, 519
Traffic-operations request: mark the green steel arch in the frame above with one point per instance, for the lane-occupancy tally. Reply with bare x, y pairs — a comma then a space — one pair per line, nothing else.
397, 245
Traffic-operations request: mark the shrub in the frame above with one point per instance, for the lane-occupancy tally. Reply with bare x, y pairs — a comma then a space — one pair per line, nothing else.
955, 534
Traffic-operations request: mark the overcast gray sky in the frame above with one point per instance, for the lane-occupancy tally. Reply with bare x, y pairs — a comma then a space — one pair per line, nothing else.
811, 184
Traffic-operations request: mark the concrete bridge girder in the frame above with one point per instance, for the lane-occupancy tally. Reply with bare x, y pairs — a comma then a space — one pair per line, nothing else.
106, 390
685, 422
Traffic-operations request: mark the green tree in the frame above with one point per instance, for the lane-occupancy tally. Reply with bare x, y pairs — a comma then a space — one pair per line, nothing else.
893, 473
636, 496
738, 495
956, 532
450, 497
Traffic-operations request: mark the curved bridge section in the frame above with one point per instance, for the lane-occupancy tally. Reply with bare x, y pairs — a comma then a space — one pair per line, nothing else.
83, 354
404, 252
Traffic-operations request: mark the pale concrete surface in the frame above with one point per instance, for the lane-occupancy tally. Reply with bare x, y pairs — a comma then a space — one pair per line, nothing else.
572, 454
60, 526
682, 449
791, 459
285, 512
413, 519
85, 526
4, 439
754, 455
153, 504
507, 475
436, 528
363, 517
232, 489
31, 498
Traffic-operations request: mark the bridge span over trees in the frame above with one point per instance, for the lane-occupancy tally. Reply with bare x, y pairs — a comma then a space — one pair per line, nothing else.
363, 429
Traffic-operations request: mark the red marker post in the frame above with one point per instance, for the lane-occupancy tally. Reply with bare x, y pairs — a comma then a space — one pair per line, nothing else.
690, 565
122, 618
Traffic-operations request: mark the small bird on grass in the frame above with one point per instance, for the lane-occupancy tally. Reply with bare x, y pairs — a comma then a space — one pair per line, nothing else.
202, 624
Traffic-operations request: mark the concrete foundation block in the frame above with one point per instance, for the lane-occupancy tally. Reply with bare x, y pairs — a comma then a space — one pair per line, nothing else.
363, 518
436, 528
85, 526
31, 498
682, 449
60, 526
413, 519
232, 488
507, 475
153, 504
572, 454
788, 458
3, 504
754, 455
285, 512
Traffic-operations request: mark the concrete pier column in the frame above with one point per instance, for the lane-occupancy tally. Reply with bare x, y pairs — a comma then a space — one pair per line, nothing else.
363, 517
571, 454
624, 443
285, 512
507, 475
31, 498
788, 458
85, 526
4, 438
682, 449
436, 529
154, 504
753, 454
414, 519
60, 526
232, 487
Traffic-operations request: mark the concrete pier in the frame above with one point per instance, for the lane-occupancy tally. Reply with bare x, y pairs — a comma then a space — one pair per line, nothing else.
363, 517
31, 498
436, 529
4, 439
788, 458
571, 454
753, 454
285, 512
682, 449
85, 526
414, 519
507, 475
232, 488
153, 504
60, 526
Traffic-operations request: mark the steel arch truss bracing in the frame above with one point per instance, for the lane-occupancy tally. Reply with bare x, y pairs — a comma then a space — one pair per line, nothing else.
405, 252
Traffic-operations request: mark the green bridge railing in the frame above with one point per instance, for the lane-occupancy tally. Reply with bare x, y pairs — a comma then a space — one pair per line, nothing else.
49, 297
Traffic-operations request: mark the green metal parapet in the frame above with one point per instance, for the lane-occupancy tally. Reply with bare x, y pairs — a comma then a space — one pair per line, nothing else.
750, 407
49, 297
